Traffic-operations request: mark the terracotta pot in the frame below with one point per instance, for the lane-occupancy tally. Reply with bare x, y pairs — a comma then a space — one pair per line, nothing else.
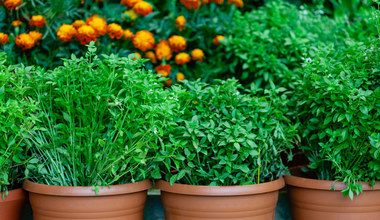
117, 202
187, 202
12, 207
313, 199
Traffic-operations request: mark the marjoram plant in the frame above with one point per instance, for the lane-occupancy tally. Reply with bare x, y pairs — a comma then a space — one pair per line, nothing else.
17, 117
224, 137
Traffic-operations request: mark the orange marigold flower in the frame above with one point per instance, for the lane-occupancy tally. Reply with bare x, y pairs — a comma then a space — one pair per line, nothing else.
163, 50
197, 54
191, 4
128, 34
138, 56
4, 38
86, 34
177, 43
150, 55
66, 32
143, 8
78, 23
99, 25
37, 20
115, 31
205, 2
219, 2
217, 39
24, 41
16, 23
12, 4
36, 36
237, 3
164, 70
168, 83
130, 3
180, 22
143, 40
182, 58
180, 77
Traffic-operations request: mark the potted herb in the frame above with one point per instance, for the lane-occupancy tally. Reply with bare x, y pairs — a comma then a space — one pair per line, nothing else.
227, 148
99, 128
16, 119
340, 111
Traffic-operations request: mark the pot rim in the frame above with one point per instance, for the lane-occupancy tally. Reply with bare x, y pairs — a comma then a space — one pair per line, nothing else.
198, 190
86, 191
303, 182
14, 195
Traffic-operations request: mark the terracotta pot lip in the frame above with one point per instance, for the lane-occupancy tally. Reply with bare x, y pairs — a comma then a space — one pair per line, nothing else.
14, 195
85, 191
302, 182
186, 189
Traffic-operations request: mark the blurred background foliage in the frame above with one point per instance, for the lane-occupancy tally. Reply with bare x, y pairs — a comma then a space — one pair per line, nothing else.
266, 41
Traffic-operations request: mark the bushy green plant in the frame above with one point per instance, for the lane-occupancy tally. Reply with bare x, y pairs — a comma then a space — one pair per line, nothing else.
101, 122
224, 137
269, 44
340, 111
16, 119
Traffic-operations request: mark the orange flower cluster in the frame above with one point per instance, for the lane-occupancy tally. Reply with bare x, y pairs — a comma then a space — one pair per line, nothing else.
163, 50
16, 23
78, 23
191, 4
182, 58
143, 8
98, 24
115, 31
164, 70
130, 3
36, 36
151, 56
180, 22
4, 38
177, 43
66, 32
128, 34
91, 30
12, 4
86, 34
197, 54
143, 40
37, 20
180, 77
27, 41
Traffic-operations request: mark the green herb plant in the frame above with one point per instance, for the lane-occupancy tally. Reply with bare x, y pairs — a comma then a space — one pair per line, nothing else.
340, 111
17, 117
270, 44
100, 124
224, 137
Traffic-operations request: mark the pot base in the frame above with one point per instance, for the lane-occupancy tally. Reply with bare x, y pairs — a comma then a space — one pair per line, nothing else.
249, 202
12, 207
119, 202
312, 199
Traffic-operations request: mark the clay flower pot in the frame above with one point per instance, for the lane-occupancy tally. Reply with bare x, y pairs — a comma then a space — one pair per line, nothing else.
11, 208
117, 202
188, 202
313, 199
